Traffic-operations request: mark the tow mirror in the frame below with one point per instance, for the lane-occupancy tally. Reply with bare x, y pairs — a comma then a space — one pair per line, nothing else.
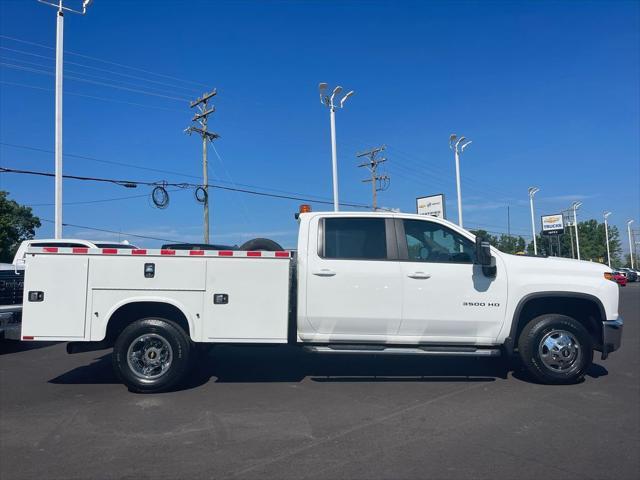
484, 257
483, 252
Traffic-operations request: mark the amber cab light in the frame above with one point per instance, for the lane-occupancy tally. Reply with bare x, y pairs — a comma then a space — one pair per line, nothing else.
608, 275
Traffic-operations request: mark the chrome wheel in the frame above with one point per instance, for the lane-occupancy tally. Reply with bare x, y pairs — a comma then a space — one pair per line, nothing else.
149, 356
559, 351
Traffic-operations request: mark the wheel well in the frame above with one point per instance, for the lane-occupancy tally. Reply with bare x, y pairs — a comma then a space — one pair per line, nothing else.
584, 310
131, 312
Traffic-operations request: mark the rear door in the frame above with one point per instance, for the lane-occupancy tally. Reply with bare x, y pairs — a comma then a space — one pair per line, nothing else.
353, 278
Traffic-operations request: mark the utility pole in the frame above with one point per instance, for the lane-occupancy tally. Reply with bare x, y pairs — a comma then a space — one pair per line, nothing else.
630, 242
606, 234
574, 207
201, 118
458, 145
532, 192
378, 182
58, 106
330, 103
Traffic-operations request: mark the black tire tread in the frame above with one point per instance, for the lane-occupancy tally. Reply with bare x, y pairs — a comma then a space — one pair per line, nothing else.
528, 344
181, 345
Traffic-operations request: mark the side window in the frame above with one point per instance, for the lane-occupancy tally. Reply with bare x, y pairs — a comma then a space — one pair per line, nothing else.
432, 242
355, 238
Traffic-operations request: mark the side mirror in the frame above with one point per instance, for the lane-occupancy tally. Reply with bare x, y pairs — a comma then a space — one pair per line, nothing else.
484, 257
483, 252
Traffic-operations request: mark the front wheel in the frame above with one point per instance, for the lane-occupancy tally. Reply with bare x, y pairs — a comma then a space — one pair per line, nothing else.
555, 349
151, 355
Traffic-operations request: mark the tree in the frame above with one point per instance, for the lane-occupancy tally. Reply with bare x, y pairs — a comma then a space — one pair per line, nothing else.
593, 244
17, 223
504, 243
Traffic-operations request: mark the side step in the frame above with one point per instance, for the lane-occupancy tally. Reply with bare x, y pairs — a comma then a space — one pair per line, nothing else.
420, 350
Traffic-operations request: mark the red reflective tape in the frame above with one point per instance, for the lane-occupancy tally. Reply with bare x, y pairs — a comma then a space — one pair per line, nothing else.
50, 249
138, 252
196, 252
282, 254
254, 254
80, 250
109, 251
27, 337
167, 252
225, 253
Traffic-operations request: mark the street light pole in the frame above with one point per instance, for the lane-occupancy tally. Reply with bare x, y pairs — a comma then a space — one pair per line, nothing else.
532, 192
458, 145
328, 101
606, 234
58, 107
630, 242
575, 207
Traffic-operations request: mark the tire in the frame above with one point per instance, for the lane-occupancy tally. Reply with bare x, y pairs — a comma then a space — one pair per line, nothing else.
555, 349
263, 244
151, 355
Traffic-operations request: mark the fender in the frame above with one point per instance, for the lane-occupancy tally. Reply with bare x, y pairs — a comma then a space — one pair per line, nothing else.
509, 342
131, 300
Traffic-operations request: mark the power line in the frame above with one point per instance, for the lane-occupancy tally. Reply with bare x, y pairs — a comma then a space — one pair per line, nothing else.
133, 184
94, 82
109, 62
112, 231
85, 75
170, 172
66, 92
91, 67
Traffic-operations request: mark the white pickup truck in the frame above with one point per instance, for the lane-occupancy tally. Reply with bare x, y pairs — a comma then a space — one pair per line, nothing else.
383, 283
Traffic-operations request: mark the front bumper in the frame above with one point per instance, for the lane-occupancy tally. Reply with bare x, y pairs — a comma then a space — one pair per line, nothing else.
611, 336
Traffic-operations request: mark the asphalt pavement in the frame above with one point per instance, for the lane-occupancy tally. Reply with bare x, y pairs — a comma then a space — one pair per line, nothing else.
263, 412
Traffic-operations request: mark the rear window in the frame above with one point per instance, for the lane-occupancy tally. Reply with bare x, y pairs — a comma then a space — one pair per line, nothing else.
355, 238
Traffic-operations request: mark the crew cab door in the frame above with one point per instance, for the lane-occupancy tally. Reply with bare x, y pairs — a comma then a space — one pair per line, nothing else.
446, 298
353, 281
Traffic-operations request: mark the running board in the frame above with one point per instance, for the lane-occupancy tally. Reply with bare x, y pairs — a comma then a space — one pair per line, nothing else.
425, 350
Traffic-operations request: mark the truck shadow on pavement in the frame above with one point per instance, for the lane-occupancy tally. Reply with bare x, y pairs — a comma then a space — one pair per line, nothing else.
228, 364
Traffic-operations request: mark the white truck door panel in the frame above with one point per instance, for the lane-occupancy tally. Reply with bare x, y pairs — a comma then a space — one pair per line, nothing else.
456, 301
353, 296
63, 281
446, 298
256, 307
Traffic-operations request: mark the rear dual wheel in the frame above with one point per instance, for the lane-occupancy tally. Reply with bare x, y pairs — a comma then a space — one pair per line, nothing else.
151, 355
555, 349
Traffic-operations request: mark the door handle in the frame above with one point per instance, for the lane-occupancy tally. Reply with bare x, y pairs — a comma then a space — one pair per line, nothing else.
419, 275
325, 272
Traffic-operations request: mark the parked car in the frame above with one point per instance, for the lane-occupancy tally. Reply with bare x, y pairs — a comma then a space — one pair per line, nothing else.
630, 274
378, 283
11, 288
619, 278
12, 279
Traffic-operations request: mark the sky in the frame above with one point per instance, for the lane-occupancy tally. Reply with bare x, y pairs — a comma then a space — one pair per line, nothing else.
549, 93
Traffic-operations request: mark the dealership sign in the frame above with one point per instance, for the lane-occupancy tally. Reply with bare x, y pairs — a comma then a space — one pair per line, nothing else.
432, 205
552, 224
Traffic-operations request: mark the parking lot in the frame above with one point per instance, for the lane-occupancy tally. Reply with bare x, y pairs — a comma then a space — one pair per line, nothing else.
265, 412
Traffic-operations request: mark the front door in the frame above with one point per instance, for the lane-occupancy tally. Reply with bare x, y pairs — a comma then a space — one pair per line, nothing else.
353, 278
446, 298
